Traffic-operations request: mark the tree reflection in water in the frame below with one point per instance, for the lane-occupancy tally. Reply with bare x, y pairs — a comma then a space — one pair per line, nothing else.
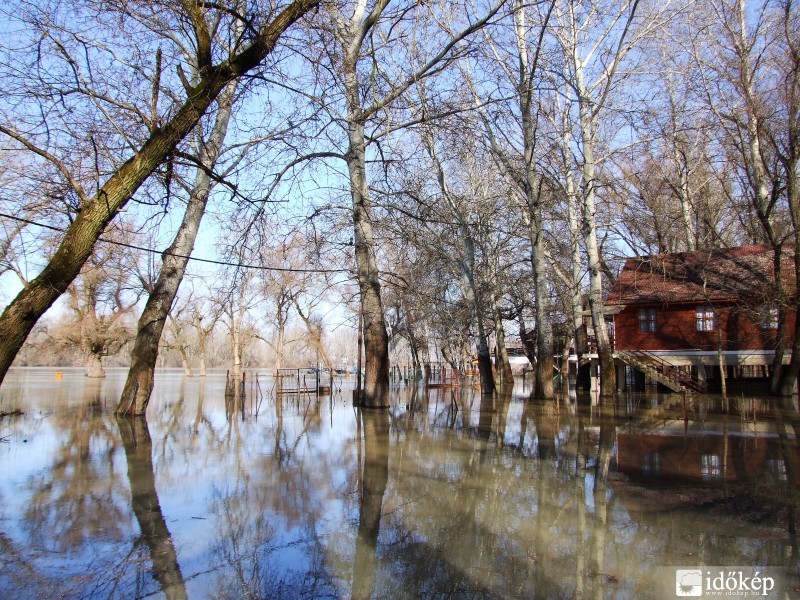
144, 502
375, 427
448, 494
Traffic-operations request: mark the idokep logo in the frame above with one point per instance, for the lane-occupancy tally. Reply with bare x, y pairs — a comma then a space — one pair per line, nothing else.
689, 582
736, 582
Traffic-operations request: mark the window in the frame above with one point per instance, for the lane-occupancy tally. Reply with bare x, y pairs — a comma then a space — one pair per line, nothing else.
705, 318
647, 320
776, 469
710, 467
769, 316
652, 464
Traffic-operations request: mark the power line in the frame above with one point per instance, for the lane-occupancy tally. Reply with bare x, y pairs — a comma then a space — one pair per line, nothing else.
165, 253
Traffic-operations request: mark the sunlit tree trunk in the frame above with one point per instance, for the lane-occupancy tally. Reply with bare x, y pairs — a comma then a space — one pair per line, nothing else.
608, 374
141, 375
532, 187
376, 338
576, 271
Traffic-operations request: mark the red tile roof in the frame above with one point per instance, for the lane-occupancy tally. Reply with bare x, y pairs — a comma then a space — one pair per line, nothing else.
722, 275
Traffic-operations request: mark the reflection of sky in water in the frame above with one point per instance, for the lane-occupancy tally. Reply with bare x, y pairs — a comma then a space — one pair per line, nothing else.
483, 500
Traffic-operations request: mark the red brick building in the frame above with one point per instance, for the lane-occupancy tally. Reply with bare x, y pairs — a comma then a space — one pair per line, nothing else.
687, 309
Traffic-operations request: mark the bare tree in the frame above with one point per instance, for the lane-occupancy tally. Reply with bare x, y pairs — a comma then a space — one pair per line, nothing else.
207, 149
595, 39
517, 155
100, 301
372, 77
751, 85
137, 159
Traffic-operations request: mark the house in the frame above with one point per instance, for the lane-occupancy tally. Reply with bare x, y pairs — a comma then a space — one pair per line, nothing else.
678, 316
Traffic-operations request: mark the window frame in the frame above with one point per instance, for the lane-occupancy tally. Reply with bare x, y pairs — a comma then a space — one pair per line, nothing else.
770, 317
648, 320
705, 318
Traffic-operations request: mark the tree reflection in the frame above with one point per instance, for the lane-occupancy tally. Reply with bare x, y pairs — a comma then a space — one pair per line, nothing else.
76, 500
375, 427
144, 501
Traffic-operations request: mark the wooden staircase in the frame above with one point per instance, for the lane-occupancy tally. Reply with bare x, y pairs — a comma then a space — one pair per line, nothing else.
661, 370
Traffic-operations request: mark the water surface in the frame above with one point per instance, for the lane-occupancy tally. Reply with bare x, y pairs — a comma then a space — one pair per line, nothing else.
447, 495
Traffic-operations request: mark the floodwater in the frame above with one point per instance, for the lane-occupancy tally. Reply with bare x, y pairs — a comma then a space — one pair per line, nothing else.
446, 495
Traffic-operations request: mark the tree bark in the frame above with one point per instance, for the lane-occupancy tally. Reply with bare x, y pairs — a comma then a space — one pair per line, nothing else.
608, 373
503, 362
141, 375
376, 339
76, 245
94, 366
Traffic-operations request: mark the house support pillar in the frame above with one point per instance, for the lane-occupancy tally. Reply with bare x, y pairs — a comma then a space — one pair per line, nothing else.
702, 377
621, 379
594, 379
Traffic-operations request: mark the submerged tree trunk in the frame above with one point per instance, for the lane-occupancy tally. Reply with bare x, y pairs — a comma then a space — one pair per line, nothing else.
485, 367
608, 374
94, 365
532, 188
139, 384
376, 338
503, 362
96, 212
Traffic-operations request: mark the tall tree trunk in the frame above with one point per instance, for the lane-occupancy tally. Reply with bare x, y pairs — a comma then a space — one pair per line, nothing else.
376, 338
608, 374
503, 362
96, 212
532, 186
141, 375
576, 272
790, 159
479, 329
